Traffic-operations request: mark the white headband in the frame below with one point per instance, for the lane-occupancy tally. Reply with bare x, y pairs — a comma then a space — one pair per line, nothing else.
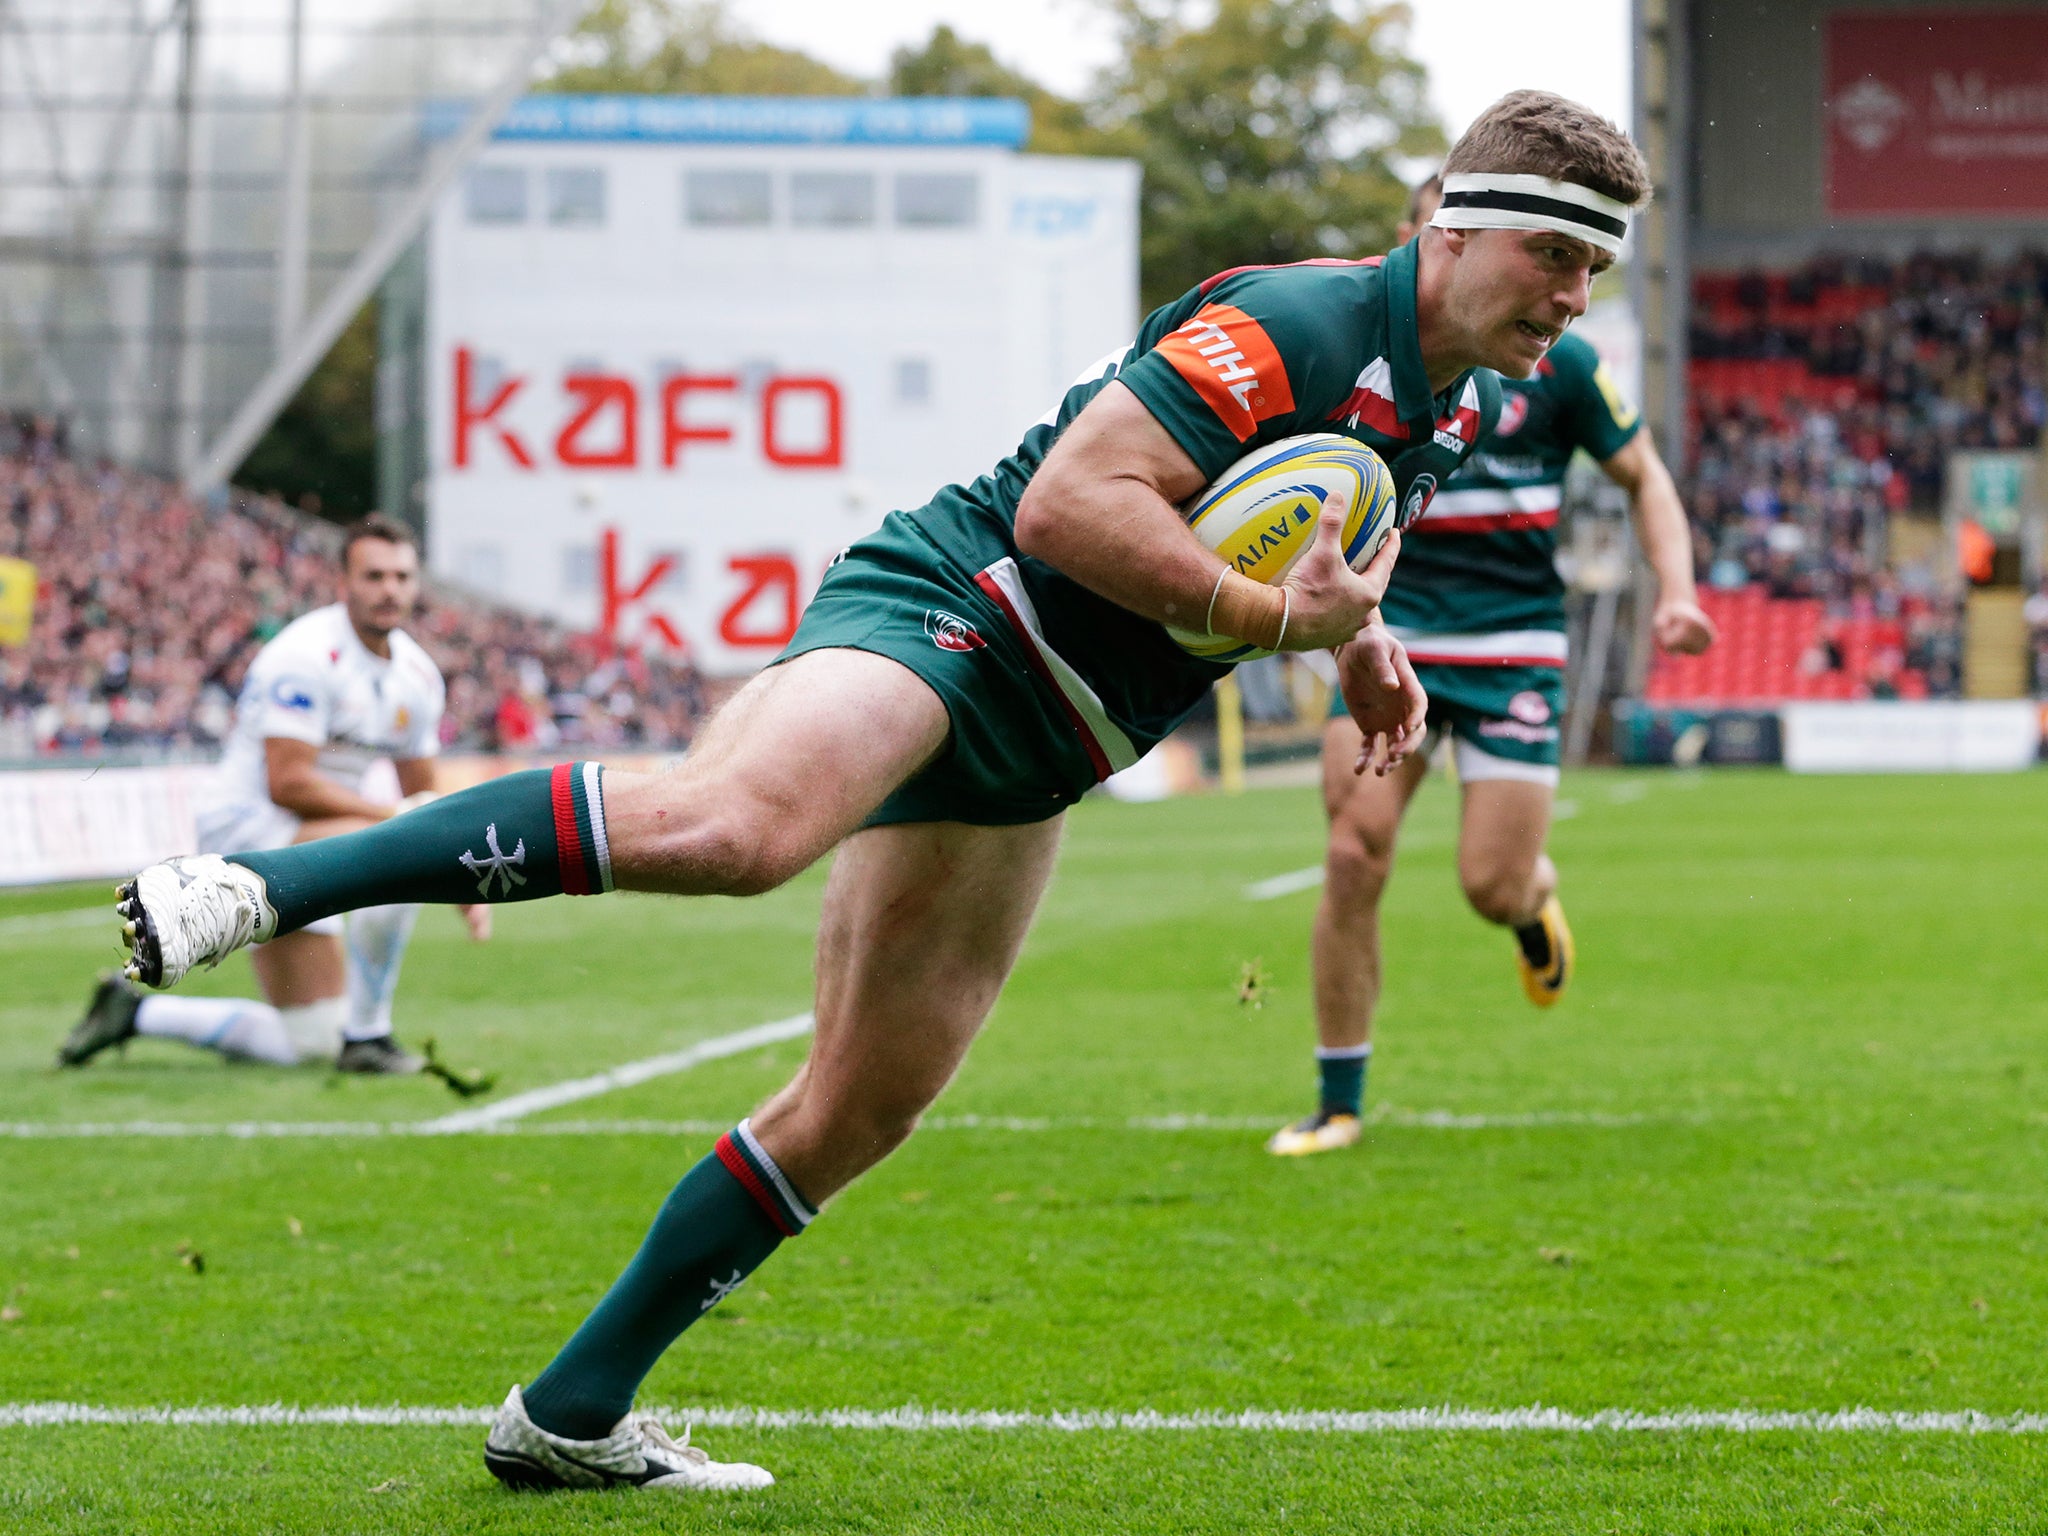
1533, 202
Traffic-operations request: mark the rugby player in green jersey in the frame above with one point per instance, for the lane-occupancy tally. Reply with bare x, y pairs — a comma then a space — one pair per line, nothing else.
962, 675
1479, 606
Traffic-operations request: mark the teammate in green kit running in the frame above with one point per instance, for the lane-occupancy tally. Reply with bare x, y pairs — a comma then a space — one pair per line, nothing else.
1479, 605
963, 675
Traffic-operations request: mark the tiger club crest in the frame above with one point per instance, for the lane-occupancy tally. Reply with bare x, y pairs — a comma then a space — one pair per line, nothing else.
1417, 501
949, 632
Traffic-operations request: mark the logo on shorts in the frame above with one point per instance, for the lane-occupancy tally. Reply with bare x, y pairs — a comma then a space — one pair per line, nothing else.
1529, 707
1419, 493
951, 633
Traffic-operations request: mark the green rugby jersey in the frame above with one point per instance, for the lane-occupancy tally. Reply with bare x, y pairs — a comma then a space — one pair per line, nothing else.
1477, 584
1248, 357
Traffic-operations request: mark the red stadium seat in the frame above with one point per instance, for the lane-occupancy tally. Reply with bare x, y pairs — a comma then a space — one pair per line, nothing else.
1764, 641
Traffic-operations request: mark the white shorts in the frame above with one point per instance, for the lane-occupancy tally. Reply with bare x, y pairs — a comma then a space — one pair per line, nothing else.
255, 827
1476, 763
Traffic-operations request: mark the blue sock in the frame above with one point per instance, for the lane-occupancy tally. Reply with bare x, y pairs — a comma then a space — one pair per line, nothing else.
1342, 1070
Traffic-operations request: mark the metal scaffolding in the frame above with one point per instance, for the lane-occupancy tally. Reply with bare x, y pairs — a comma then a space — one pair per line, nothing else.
197, 195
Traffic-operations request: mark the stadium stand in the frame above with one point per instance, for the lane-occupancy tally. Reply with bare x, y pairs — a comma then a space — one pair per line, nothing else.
2035, 612
151, 603
1825, 402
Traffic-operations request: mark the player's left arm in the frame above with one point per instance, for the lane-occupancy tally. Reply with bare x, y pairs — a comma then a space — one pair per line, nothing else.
1386, 699
1678, 622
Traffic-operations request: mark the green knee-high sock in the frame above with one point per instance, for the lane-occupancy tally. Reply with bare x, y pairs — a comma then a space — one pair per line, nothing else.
531, 834
729, 1213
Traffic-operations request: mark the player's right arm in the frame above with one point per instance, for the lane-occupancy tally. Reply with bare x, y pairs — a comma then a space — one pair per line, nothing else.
1103, 510
297, 784
286, 703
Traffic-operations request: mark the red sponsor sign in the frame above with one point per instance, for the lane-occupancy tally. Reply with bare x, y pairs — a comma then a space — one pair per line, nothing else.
761, 606
1932, 112
801, 420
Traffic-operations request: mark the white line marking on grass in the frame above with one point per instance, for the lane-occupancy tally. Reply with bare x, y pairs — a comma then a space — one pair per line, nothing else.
1285, 885
577, 1089
235, 1130
33, 925
1399, 1119
287, 1130
914, 1420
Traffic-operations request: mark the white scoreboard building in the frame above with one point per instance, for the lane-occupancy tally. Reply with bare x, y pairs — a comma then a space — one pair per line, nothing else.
680, 351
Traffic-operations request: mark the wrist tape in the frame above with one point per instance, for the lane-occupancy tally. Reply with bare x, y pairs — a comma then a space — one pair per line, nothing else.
1250, 611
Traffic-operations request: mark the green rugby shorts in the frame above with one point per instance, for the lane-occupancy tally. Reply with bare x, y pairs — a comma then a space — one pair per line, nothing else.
1014, 754
1506, 721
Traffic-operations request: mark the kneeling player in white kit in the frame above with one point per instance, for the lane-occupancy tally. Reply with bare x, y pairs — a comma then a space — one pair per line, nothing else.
336, 691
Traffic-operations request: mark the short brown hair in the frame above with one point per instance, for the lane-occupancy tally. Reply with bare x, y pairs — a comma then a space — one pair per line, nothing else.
375, 525
1534, 133
1423, 189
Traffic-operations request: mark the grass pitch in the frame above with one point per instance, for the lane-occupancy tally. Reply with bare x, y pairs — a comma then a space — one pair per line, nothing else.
1781, 1150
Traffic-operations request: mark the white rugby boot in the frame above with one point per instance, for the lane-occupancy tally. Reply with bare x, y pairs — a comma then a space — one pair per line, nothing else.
1327, 1130
638, 1453
193, 910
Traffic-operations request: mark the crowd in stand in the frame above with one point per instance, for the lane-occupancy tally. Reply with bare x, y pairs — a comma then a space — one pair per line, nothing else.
1828, 401
2036, 614
151, 604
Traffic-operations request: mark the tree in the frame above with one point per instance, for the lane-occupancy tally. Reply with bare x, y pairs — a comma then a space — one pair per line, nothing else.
683, 47
324, 444
1268, 131
948, 65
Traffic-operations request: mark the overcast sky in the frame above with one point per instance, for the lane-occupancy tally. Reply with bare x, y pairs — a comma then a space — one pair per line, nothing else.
1475, 50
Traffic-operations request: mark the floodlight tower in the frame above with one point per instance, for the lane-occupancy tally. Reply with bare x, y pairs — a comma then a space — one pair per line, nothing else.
197, 195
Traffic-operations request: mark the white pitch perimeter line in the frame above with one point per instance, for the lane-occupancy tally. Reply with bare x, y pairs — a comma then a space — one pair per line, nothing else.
914, 1420
520, 1105
288, 1130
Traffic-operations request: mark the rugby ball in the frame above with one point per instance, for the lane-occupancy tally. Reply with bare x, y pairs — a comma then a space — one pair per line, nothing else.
1260, 515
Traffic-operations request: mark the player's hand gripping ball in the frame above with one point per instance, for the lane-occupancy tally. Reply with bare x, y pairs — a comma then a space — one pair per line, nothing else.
1261, 513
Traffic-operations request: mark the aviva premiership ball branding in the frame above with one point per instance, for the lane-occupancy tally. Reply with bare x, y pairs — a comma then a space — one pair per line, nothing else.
1265, 545
1261, 515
